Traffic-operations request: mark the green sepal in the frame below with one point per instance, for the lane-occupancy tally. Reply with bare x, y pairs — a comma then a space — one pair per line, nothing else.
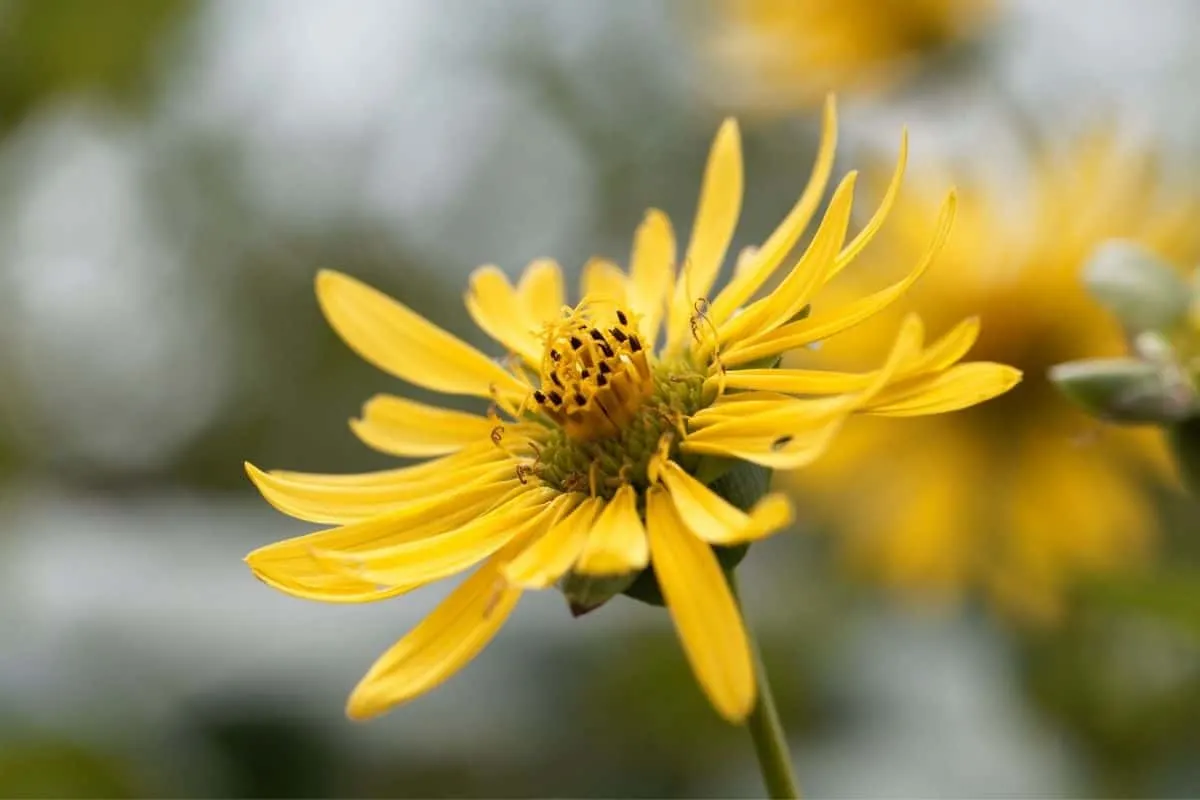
586, 593
743, 484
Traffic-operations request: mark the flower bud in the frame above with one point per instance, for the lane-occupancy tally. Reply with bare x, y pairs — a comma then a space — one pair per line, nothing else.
1126, 390
1143, 291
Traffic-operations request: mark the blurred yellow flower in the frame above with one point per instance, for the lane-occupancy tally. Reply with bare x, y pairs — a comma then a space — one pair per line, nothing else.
595, 456
1022, 496
778, 55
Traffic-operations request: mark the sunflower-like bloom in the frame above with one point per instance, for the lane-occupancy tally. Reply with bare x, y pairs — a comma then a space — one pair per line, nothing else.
1019, 499
785, 54
596, 456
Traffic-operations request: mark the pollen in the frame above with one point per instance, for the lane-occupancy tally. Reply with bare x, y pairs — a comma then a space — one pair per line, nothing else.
595, 374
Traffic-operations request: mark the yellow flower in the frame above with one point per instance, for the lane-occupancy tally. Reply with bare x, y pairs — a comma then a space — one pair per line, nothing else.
784, 54
1021, 497
588, 463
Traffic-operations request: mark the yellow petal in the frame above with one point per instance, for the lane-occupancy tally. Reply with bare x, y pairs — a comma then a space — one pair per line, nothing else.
714, 519
499, 311
873, 225
397, 340
604, 282
823, 325
945, 351
716, 217
430, 558
904, 354
652, 272
776, 450
959, 387
341, 503
291, 566
766, 259
617, 543
705, 614
797, 381
549, 557
808, 274
457, 630
402, 427
541, 291
768, 417
468, 456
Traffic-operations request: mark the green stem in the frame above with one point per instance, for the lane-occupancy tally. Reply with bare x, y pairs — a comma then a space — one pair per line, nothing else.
770, 742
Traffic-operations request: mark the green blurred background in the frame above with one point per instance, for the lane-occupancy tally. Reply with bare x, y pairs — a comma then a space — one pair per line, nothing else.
172, 175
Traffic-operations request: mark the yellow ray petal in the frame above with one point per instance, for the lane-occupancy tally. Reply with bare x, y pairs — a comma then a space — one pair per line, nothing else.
421, 561
767, 258
468, 456
291, 566
652, 272
604, 282
775, 450
402, 427
823, 325
716, 217
740, 405
769, 417
341, 503
793, 436
457, 630
946, 351
549, 557
797, 381
959, 387
873, 225
541, 291
705, 614
808, 274
714, 519
903, 356
499, 311
391, 336
617, 543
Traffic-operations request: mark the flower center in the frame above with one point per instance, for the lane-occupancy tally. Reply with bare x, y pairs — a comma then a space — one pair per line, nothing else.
595, 375
600, 466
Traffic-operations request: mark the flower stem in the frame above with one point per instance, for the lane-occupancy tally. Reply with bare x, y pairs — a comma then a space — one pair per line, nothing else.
770, 742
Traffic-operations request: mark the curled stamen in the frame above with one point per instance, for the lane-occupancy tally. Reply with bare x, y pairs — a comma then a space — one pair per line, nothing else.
497, 435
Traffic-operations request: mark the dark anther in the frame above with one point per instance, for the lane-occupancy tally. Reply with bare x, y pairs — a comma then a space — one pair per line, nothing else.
554, 356
608, 351
580, 399
576, 343
605, 368
601, 380
781, 442
618, 334
597, 335
621, 316
634, 344
555, 397
541, 398
557, 380
583, 373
